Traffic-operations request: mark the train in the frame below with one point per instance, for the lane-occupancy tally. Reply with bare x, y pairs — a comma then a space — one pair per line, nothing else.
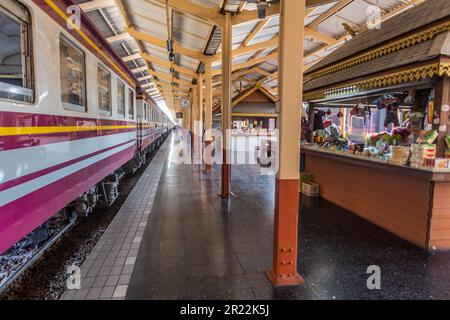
73, 117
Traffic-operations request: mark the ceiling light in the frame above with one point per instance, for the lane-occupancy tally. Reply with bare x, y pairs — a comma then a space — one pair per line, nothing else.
262, 9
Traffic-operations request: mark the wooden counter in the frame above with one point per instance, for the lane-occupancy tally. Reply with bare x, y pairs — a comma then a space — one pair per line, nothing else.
412, 203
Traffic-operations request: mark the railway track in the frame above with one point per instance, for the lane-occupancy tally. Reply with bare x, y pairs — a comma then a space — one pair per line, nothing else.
16, 261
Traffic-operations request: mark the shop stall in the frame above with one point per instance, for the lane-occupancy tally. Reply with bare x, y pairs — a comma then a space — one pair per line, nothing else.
254, 112
377, 134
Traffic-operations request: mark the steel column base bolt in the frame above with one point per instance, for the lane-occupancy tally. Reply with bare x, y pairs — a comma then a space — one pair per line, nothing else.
281, 280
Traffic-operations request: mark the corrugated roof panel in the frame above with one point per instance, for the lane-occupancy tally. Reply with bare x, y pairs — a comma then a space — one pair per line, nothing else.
262, 38
115, 19
355, 14
151, 28
272, 61
208, 3
267, 51
274, 21
238, 40
311, 44
100, 23
189, 41
147, 9
188, 62
190, 25
243, 57
244, 28
268, 67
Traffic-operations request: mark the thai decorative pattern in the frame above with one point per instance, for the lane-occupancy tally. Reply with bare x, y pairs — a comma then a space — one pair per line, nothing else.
409, 41
389, 79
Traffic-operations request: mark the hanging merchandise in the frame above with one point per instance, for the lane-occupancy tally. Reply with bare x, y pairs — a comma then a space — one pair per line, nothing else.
392, 115
318, 120
364, 111
354, 111
430, 110
411, 98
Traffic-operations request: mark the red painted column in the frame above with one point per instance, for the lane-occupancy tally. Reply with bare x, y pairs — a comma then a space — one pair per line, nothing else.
208, 117
284, 268
284, 265
226, 106
208, 159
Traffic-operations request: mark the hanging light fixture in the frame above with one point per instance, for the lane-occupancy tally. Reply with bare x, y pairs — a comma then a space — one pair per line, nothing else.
262, 8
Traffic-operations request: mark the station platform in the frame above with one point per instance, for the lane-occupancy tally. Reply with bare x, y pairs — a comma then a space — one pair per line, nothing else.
175, 238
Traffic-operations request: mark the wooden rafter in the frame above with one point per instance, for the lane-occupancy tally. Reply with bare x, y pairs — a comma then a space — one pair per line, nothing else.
163, 44
255, 32
210, 15
250, 63
330, 12
167, 65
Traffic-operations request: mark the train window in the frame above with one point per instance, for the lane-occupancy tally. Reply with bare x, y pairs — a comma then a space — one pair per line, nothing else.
16, 75
131, 103
104, 90
72, 74
145, 111
120, 98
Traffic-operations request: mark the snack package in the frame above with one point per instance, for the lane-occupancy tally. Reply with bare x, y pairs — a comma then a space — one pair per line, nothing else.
441, 163
447, 140
431, 136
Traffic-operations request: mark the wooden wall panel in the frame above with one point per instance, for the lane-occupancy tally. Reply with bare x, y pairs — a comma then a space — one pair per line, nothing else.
395, 202
440, 222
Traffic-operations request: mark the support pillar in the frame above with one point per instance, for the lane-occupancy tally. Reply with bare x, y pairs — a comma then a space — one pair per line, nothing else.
187, 123
192, 121
199, 120
226, 105
208, 116
284, 268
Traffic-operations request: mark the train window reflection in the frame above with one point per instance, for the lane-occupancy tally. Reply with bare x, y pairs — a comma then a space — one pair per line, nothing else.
104, 90
72, 73
145, 111
120, 98
16, 76
131, 103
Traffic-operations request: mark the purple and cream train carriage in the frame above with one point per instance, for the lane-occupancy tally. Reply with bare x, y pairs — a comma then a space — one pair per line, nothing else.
69, 116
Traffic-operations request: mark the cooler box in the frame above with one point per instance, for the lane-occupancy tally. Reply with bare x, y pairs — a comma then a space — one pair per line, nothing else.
310, 189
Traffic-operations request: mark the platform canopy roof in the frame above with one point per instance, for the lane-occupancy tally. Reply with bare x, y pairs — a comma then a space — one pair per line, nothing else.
138, 31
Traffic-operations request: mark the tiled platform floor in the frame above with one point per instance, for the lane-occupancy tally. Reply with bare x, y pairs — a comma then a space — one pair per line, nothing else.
106, 273
197, 246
